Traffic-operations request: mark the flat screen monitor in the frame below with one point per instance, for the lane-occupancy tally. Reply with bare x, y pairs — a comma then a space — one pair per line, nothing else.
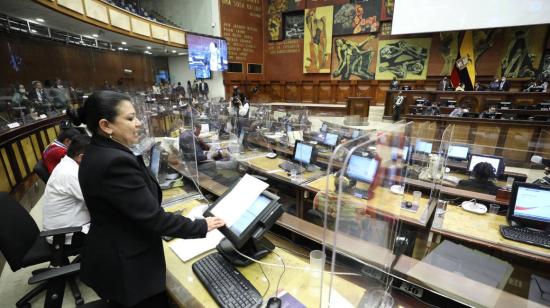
303, 152
154, 164
405, 155
331, 139
530, 205
249, 221
207, 53
362, 168
422, 146
495, 161
324, 127
458, 152
205, 128
355, 134
202, 73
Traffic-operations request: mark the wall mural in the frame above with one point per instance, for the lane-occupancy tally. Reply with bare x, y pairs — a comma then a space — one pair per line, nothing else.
275, 27
523, 51
385, 28
405, 59
277, 6
445, 44
317, 39
294, 25
386, 10
356, 18
545, 65
317, 3
354, 57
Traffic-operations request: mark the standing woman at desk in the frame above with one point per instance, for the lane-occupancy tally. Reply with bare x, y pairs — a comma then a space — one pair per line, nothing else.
123, 258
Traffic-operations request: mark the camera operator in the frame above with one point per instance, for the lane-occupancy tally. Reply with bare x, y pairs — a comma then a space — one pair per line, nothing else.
239, 107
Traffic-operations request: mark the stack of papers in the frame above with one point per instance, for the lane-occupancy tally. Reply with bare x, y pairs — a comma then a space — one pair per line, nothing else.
187, 249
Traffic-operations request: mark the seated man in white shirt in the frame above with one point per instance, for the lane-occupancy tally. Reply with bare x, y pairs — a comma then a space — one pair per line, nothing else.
63, 203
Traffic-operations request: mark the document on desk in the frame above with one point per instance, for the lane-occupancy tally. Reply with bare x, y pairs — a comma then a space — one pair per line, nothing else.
239, 199
187, 249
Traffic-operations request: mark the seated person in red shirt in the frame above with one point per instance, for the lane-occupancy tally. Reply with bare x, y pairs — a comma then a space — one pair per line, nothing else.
56, 150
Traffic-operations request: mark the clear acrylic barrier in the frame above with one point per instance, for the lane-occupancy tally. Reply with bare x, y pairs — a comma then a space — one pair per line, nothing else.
362, 207
466, 258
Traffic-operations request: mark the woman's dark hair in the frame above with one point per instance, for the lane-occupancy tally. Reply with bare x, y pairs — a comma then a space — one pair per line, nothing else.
78, 145
68, 133
100, 105
484, 171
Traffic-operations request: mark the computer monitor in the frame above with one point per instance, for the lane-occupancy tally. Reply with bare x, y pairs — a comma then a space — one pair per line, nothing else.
303, 153
355, 134
205, 128
405, 153
505, 105
422, 146
331, 139
458, 151
324, 127
530, 205
496, 161
154, 164
248, 227
361, 168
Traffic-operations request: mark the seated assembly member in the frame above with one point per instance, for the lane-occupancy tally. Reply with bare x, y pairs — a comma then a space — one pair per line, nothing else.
58, 148
123, 258
483, 174
63, 201
194, 147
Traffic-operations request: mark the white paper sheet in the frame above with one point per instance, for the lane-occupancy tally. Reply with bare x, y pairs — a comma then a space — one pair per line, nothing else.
187, 249
236, 202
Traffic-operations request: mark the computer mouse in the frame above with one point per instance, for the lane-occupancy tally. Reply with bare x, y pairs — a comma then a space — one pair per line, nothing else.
271, 155
274, 302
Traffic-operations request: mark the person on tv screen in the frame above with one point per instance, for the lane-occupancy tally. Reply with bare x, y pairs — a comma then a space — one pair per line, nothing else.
214, 57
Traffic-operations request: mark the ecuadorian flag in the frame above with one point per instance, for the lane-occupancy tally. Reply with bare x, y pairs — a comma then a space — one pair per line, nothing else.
465, 70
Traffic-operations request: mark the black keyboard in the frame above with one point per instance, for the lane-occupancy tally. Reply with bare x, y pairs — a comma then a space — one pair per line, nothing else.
226, 285
288, 166
525, 235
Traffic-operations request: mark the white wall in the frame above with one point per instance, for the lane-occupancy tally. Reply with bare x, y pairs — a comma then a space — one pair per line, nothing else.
180, 72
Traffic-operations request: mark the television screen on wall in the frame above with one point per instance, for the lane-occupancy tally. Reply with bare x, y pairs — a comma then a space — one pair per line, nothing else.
207, 53
202, 74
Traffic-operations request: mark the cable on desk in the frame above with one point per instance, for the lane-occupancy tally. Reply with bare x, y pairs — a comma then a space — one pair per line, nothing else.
280, 277
268, 283
293, 267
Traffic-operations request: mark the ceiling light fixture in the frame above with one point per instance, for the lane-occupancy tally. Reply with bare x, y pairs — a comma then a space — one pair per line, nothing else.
33, 31
123, 43
125, 49
149, 47
173, 51
120, 48
39, 20
95, 35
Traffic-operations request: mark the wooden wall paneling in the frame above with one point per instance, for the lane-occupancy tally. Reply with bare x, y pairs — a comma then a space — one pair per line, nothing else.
96, 10
5, 184
291, 92
36, 146
277, 91
424, 130
28, 151
363, 89
51, 134
543, 143
461, 133
343, 91
517, 143
486, 139
21, 167
307, 91
325, 92
7, 166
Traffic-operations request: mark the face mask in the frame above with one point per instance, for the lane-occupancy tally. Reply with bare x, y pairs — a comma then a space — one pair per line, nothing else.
21, 90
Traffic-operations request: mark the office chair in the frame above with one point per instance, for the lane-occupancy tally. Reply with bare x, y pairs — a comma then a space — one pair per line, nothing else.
23, 245
41, 171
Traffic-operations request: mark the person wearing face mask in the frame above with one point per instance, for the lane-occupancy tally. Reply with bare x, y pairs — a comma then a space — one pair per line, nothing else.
123, 257
20, 97
59, 95
504, 84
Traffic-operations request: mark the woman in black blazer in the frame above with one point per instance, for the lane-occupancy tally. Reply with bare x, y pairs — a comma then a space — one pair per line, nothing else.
123, 258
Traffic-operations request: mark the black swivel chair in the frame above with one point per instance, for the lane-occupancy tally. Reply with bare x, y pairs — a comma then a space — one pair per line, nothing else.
23, 245
41, 171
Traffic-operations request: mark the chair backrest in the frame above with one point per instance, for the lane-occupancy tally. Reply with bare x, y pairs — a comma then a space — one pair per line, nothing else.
41, 171
18, 231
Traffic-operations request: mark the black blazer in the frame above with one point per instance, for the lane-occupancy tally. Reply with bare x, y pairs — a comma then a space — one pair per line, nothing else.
486, 187
123, 257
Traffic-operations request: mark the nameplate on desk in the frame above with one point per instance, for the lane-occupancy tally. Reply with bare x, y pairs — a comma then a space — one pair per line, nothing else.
419, 105
504, 108
42, 116
544, 109
13, 125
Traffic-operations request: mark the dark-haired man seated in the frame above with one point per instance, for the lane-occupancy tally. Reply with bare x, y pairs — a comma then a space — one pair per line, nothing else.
482, 181
195, 148
58, 148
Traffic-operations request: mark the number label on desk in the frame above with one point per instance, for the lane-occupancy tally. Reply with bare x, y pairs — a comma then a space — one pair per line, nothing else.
372, 273
411, 289
13, 125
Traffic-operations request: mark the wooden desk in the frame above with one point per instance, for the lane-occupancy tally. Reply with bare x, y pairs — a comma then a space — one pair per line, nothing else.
187, 291
384, 201
270, 167
483, 230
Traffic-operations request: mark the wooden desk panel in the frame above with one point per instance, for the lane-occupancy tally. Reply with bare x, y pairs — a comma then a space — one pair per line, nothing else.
271, 167
484, 230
